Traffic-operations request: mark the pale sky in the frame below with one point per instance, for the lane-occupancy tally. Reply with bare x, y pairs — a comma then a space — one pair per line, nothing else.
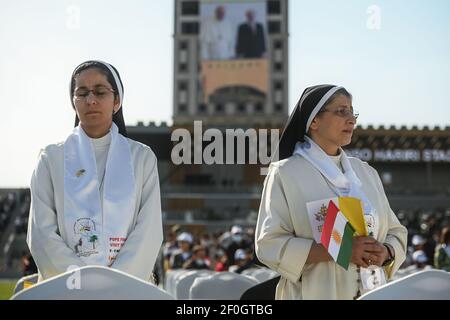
398, 74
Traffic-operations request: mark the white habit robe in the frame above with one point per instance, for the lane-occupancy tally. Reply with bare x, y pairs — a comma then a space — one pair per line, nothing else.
47, 237
284, 236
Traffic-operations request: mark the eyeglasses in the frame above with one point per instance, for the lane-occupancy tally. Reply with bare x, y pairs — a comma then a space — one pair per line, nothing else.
98, 92
343, 113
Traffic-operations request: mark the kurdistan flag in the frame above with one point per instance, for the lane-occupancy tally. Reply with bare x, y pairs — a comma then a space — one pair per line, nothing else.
338, 232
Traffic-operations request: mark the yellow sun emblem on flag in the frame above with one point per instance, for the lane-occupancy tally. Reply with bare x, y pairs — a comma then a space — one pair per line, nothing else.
336, 236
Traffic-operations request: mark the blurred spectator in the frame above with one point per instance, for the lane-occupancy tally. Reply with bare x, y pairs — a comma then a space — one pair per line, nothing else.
28, 264
420, 259
198, 260
176, 229
18, 225
442, 254
417, 243
207, 244
243, 259
232, 241
222, 261
420, 262
169, 247
428, 225
180, 256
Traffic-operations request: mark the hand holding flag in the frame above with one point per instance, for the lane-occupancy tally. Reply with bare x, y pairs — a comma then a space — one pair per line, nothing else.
342, 221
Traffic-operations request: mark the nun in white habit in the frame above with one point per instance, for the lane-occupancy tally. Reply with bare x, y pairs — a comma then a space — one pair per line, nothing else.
313, 167
95, 198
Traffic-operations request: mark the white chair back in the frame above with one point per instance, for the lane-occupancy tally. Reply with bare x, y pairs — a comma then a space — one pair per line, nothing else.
25, 282
221, 286
423, 285
186, 280
93, 283
249, 272
171, 278
264, 274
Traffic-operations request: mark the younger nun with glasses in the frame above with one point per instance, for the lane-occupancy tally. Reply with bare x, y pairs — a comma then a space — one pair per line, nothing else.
314, 167
95, 197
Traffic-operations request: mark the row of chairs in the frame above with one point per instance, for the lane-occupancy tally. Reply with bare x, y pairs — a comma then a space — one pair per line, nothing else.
93, 282
203, 284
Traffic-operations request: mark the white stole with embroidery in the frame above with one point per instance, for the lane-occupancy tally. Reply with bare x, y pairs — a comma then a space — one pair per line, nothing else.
94, 234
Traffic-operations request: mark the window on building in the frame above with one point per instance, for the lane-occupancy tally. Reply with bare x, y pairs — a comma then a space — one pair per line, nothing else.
189, 8
274, 27
183, 45
241, 108
198, 179
219, 107
189, 28
259, 107
202, 108
278, 85
182, 85
182, 67
278, 44
273, 7
182, 108
278, 107
278, 66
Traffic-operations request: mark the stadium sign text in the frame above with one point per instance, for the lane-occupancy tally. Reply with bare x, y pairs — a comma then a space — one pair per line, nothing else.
400, 155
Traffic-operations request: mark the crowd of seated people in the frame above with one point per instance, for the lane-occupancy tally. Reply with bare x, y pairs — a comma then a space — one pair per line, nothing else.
231, 250
7, 206
428, 239
21, 222
8, 203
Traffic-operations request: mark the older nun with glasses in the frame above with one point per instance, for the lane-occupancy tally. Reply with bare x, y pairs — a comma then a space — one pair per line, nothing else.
313, 166
95, 197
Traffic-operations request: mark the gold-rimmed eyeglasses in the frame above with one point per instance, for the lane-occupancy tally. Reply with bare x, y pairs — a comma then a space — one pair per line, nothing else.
343, 112
98, 92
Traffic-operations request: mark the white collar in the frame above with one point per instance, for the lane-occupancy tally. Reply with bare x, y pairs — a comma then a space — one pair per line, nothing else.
102, 141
